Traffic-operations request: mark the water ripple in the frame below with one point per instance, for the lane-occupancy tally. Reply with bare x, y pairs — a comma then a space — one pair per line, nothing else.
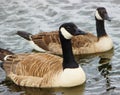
46, 15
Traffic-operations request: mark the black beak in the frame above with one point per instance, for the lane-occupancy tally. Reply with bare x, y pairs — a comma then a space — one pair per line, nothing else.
79, 32
106, 17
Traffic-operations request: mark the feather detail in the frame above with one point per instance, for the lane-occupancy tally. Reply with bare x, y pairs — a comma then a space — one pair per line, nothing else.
81, 44
34, 69
50, 41
43, 39
46, 70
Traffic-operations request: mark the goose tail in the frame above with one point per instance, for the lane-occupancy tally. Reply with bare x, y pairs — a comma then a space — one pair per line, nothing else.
4, 53
24, 35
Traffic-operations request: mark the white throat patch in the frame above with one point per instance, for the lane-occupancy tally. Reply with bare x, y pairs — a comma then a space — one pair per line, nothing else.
98, 16
65, 33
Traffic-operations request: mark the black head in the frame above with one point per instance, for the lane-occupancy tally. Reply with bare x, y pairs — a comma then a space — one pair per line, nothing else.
68, 30
101, 14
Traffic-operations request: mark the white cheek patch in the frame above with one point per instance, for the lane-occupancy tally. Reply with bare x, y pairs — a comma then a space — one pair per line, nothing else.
65, 33
98, 16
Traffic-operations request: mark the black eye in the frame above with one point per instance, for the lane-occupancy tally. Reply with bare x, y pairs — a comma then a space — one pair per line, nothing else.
68, 28
103, 12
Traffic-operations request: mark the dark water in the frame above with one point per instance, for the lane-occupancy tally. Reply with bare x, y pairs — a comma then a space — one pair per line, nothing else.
102, 70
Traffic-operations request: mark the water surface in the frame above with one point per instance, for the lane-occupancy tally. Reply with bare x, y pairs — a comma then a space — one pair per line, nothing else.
102, 70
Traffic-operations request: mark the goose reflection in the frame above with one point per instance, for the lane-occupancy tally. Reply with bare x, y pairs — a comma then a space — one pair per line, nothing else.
105, 67
78, 90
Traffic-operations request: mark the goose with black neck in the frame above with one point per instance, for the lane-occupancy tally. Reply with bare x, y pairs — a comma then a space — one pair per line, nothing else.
104, 42
47, 70
81, 44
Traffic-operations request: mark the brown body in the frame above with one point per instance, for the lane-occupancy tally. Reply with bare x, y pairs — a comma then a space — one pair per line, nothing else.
41, 70
33, 70
49, 41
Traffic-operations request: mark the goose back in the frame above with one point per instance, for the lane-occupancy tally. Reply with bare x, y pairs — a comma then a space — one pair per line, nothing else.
34, 70
50, 41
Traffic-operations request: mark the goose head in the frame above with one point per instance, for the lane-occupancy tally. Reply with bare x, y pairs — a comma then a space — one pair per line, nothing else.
101, 14
68, 30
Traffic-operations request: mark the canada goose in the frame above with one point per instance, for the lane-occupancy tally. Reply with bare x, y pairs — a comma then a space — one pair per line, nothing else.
47, 70
82, 44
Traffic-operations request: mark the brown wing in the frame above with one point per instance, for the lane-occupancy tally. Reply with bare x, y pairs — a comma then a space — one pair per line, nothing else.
43, 39
35, 70
11, 62
79, 44
50, 41
35, 64
83, 40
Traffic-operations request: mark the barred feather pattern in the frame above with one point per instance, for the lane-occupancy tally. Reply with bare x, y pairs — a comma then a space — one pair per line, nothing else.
81, 44
11, 62
93, 45
36, 69
50, 41
43, 39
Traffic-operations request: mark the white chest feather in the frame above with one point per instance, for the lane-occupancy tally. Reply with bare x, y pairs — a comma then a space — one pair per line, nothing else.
104, 44
36, 47
70, 78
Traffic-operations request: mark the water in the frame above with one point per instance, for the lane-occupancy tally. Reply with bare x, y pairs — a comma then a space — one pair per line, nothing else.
46, 15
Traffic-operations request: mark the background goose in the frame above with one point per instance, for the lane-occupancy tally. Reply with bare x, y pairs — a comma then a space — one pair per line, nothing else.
82, 44
46, 70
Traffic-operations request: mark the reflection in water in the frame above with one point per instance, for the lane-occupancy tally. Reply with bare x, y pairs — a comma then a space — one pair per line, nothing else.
104, 55
79, 90
99, 74
105, 68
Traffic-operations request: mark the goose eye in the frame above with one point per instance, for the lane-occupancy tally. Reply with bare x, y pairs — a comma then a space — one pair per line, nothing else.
103, 12
68, 28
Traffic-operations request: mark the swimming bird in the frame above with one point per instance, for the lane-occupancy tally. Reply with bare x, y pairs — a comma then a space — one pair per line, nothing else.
44, 69
82, 44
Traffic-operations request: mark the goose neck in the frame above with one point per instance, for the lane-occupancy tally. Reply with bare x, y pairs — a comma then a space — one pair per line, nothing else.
68, 57
100, 27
